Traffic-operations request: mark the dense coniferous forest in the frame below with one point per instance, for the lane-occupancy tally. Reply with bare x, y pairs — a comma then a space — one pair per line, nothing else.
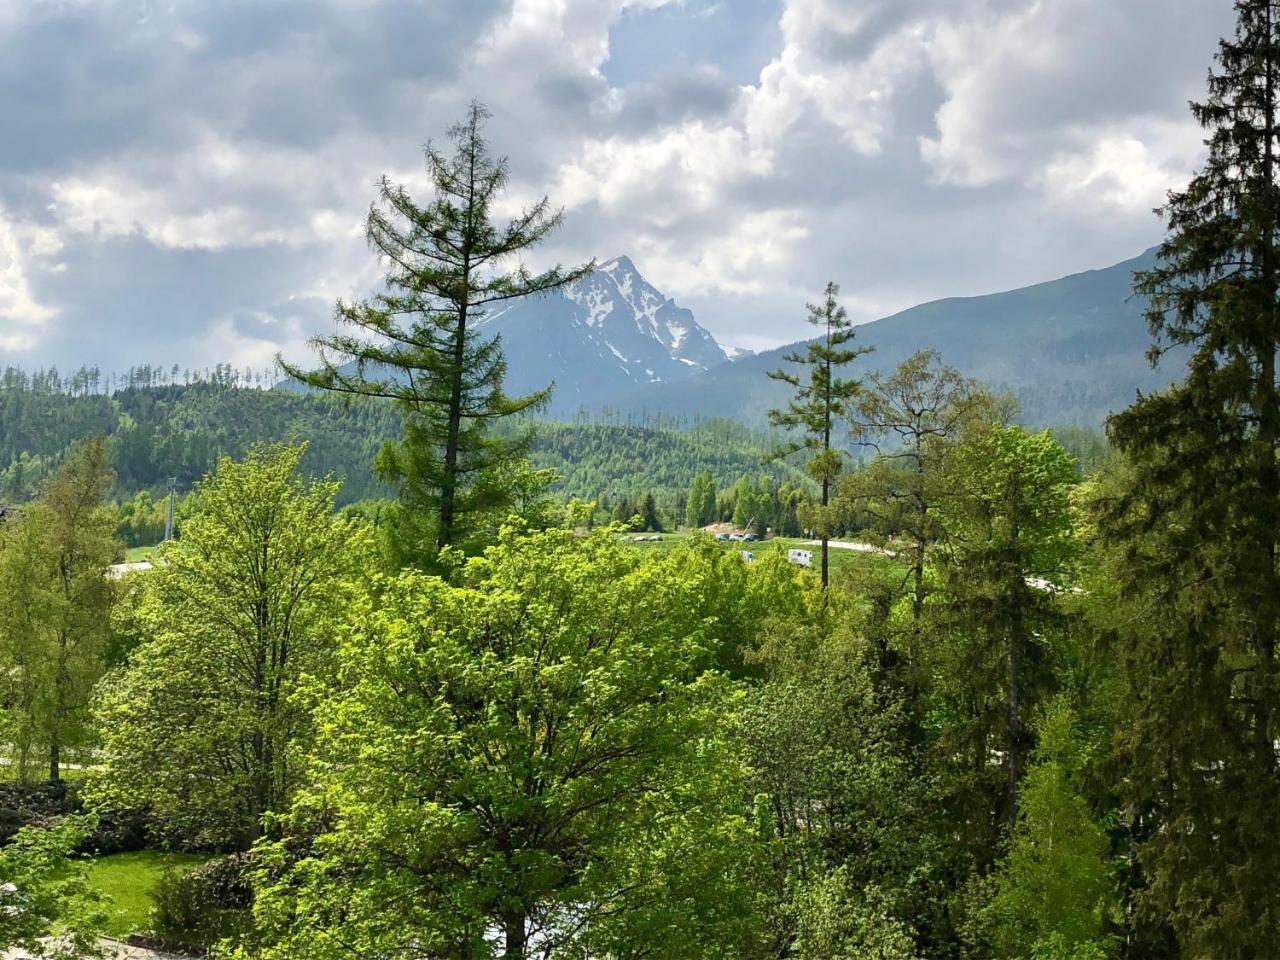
406, 685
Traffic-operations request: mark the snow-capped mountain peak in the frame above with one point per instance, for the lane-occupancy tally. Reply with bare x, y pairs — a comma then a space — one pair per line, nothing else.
612, 324
618, 301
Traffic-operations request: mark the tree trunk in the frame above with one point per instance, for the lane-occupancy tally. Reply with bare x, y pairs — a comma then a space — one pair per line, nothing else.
1017, 640
826, 496
55, 758
514, 935
1268, 442
826, 478
922, 535
448, 491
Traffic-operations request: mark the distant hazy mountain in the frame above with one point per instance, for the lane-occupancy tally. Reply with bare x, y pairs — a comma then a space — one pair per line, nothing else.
601, 337
1072, 350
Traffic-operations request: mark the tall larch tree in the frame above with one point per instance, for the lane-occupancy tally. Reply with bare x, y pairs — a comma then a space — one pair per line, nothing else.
419, 342
908, 417
822, 399
1201, 526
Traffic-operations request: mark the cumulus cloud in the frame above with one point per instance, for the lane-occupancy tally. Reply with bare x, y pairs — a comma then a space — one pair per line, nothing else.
187, 180
21, 314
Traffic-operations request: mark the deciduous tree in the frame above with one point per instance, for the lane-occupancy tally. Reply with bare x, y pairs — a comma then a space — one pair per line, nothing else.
55, 614
908, 417
532, 763
201, 726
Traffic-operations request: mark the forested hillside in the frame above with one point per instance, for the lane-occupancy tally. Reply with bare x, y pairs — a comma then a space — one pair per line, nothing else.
612, 461
178, 431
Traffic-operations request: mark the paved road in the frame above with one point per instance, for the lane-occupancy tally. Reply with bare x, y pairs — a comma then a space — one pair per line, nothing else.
847, 545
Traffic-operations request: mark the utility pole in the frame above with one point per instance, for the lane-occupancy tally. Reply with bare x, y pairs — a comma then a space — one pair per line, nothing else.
168, 520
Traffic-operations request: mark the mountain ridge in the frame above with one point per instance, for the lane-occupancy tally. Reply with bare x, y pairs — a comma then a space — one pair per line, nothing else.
1072, 350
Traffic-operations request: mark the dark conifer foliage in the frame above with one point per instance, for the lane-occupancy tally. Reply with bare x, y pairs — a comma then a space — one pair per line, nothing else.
419, 342
821, 401
1201, 524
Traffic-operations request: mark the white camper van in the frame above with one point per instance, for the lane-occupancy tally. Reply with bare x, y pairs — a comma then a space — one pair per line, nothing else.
801, 558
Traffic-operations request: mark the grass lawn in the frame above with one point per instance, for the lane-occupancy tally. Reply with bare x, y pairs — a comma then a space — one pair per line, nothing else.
136, 554
127, 880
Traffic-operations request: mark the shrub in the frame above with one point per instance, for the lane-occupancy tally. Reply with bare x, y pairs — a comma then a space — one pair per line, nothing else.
34, 805
46, 803
199, 907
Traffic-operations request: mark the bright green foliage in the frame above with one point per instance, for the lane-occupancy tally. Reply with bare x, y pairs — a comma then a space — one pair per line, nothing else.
1202, 526
1053, 896
1006, 520
420, 343
202, 725
533, 762
910, 417
834, 922
821, 402
44, 894
700, 508
850, 844
142, 520
55, 613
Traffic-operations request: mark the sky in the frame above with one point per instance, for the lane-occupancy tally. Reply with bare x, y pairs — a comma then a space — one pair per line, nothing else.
184, 182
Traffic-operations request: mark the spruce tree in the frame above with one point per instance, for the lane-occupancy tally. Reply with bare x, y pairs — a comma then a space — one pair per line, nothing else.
1201, 527
649, 514
419, 342
822, 399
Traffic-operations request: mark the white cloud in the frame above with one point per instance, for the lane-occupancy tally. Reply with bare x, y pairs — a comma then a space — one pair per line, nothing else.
21, 315
276, 333
218, 194
1033, 88
913, 148
853, 91
741, 260
571, 34
1128, 169
660, 179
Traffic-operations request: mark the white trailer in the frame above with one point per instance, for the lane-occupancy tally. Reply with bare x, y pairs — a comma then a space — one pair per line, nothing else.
801, 558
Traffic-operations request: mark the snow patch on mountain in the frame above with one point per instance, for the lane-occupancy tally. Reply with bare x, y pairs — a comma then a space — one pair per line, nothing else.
610, 329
